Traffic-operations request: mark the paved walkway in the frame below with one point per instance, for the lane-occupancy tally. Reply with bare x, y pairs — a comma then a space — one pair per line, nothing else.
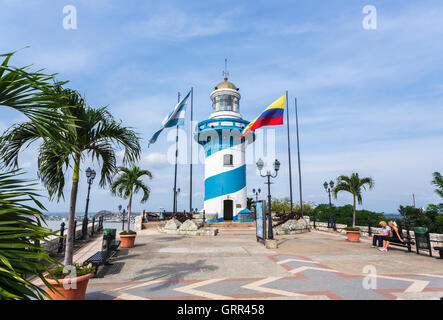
233, 265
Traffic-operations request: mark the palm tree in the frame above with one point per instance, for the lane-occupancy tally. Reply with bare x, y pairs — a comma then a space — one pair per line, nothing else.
36, 95
129, 183
21, 218
21, 232
353, 185
94, 132
438, 182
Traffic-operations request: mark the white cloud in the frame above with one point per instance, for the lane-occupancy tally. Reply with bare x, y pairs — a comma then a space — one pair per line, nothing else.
170, 23
154, 160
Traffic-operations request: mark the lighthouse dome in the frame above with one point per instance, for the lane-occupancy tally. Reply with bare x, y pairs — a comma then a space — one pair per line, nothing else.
226, 85
225, 100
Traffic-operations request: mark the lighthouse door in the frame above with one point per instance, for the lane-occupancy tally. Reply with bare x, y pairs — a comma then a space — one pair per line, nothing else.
228, 209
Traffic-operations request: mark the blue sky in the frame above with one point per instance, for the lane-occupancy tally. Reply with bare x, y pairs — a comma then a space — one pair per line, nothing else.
370, 101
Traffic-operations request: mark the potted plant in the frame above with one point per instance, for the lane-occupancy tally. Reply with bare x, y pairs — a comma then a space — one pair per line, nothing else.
67, 287
353, 234
127, 239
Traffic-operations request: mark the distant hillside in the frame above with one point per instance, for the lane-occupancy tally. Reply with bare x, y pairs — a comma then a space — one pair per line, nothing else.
104, 213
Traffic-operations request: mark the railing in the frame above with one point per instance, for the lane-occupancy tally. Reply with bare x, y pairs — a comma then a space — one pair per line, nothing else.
85, 224
181, 216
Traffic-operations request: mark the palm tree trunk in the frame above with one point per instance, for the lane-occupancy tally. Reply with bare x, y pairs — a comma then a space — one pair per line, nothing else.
129, 210
69, 250
353, 215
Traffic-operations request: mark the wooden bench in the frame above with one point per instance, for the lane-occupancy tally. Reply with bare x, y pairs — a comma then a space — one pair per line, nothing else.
440, 250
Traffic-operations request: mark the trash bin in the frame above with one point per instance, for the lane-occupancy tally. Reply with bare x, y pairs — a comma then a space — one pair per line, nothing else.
421, 238
108, 237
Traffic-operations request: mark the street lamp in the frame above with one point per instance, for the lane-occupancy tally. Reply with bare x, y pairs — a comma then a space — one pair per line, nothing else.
256, 192
328, 189
90, 175
123, 219
176, 192
268, 175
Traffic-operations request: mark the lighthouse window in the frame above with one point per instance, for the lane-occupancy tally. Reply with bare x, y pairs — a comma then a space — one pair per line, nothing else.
225, 103
228, 160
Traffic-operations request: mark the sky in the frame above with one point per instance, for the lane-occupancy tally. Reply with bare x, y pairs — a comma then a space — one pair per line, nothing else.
370, 101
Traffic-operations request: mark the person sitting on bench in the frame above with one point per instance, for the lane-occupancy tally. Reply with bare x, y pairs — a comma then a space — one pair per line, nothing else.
385, 229
394, 236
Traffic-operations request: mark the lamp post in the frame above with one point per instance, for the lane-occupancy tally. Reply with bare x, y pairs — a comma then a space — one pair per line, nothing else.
269, 176
328, 189
256, 192
90, 175
176, 192
123, 219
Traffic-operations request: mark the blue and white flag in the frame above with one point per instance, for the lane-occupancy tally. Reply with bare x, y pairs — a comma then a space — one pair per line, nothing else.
175, 118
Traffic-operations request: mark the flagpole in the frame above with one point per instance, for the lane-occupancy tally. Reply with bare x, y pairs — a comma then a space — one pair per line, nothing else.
190, 165
289, 151
175, 175
298, 151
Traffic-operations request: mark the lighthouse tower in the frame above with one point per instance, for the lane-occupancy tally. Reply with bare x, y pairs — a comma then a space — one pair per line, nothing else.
225, 168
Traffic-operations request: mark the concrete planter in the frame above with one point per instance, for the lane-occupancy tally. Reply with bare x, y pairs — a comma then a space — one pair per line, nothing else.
75, 288
127, 241
353, 236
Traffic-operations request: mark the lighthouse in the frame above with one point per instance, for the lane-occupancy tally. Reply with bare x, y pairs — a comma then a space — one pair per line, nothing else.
225, 167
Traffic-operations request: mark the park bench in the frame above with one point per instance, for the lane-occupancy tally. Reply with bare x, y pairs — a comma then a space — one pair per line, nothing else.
109, 248
115, 244
100, 258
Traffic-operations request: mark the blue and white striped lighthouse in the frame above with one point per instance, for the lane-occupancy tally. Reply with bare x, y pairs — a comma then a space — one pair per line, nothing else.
225, 167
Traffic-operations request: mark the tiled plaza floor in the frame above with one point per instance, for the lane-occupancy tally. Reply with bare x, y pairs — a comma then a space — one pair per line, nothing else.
233, 265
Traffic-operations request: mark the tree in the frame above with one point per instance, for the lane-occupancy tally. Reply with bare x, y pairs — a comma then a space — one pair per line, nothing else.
129, 183
353, 185
21, 232
94, 132
34, 95
438, 182
280, 205
249, 203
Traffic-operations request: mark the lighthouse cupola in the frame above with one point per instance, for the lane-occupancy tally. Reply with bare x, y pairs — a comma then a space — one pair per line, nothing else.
225, 100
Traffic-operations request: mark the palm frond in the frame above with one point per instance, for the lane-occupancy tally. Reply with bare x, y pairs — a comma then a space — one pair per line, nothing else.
21, 233
34, 94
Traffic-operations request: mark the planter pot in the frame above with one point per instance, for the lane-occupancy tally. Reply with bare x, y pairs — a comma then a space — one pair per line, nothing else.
353, 236
127, 241
69, 293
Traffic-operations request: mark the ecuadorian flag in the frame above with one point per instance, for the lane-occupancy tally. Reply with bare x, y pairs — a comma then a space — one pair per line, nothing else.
273, 115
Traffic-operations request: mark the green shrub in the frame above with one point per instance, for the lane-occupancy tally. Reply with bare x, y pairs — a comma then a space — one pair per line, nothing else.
126, 233
352, 229
80, 269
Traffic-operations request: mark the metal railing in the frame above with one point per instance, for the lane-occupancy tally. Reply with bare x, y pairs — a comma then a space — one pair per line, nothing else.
61, 231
